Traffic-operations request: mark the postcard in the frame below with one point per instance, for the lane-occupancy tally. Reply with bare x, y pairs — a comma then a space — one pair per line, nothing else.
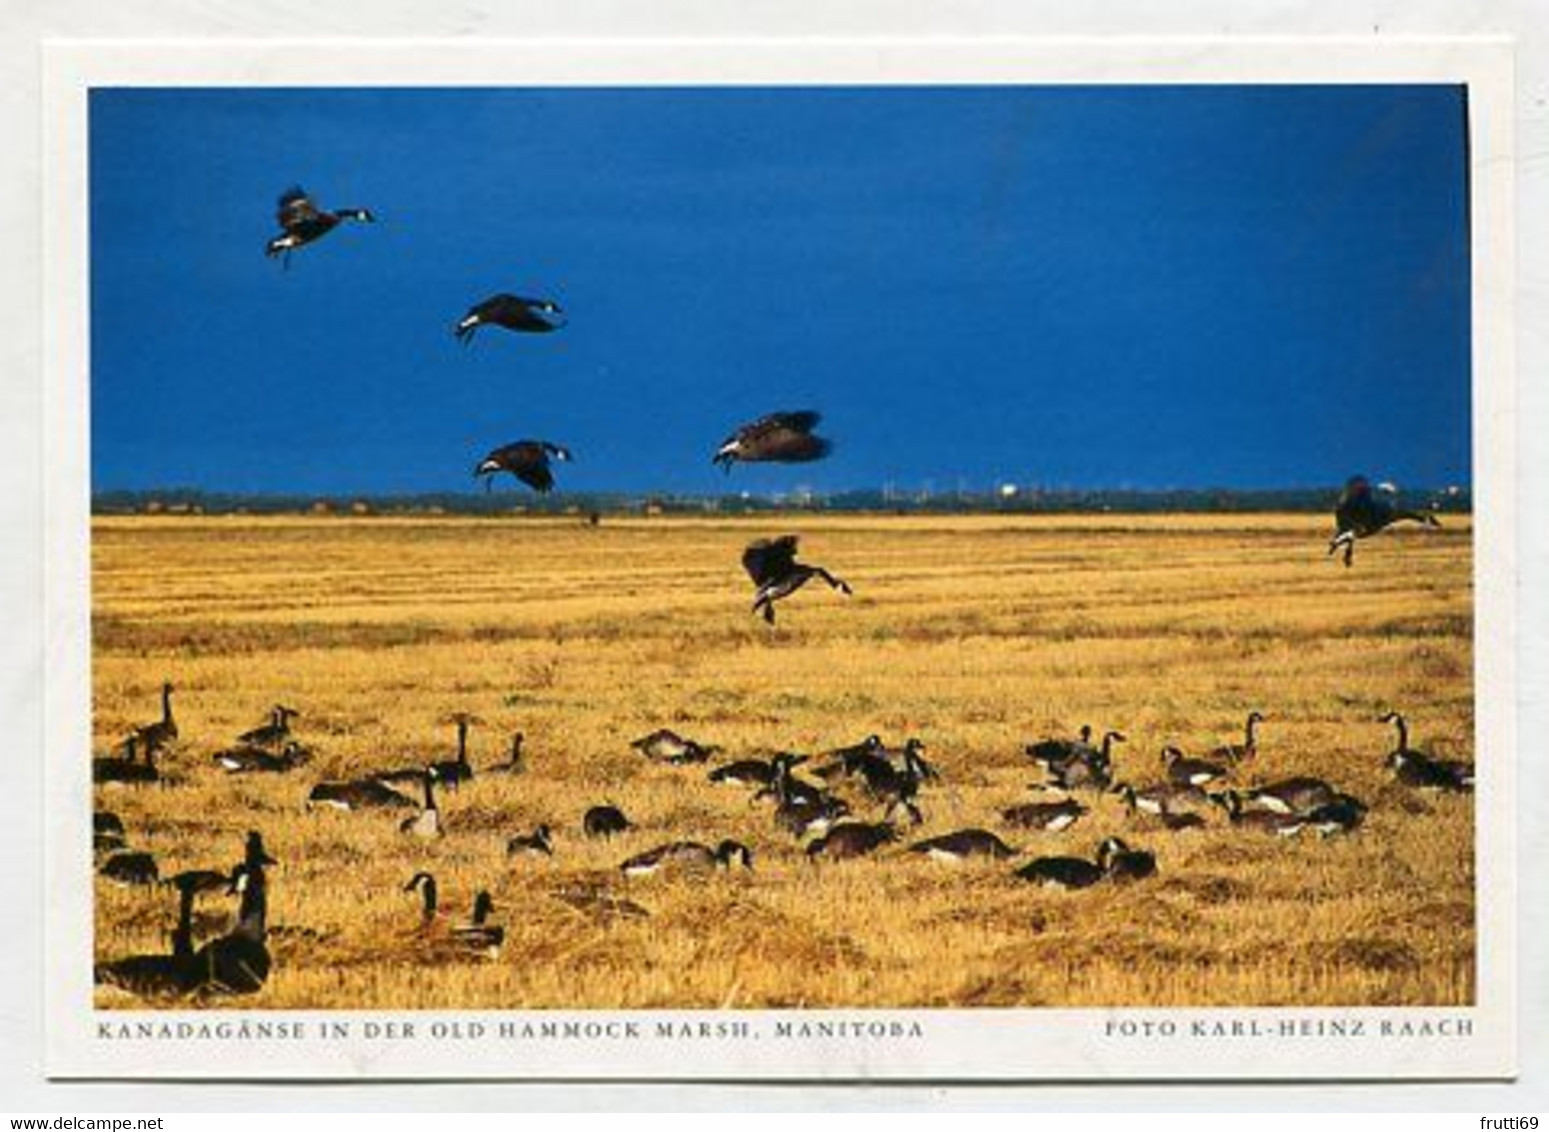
976, 560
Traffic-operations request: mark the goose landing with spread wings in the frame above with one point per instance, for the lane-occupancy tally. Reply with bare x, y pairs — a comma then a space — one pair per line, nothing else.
527, 460
304, 223
1364, 510
779, 438
772, 565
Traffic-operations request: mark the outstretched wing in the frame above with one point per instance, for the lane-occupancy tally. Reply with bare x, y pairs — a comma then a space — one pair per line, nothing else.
296, 208
769, 559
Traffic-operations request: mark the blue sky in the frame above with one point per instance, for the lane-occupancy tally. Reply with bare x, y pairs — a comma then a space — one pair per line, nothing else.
1149, 287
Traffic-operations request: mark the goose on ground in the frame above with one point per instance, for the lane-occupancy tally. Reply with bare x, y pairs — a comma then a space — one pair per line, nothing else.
478, 936
169, 975
1048, 816
361, 794
776, 575
1342, 815
155, 736
107, 832
1052, 753
516, 762
454, 771
665, 746
527, 460
130, 867
201, 880
426, 823
852, 839
755, 772
1299, 795
510, 312
1163, 799
597, 902
1363, 510
1122, 863
782, 438
1417, 769
963, 844
1261, 821
238, 962
810, 816
425, 885
1062, 872
302, 222
786, 788
273, 732
605, 821
126, 769
538, 843
1185, 771
249, 759
896, 788
1087, 769
1248, 748
1181, 821
844, 761
687, 857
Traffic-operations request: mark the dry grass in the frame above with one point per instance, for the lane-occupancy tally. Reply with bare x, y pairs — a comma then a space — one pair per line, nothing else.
978, 635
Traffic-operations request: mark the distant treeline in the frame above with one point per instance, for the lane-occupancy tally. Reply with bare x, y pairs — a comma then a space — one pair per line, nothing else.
1031, 500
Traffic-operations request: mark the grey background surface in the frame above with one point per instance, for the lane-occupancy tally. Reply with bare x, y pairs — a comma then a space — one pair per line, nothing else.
25, 23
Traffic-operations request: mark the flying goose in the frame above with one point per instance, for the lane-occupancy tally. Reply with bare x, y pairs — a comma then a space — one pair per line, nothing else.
1248, 748
1184, 771
1049, 816
303, 222
275, 731
539, 843
605, 821
510, 312
1414, 768
1363, 510
1122, 863
238, 962
782, 438
852, 839
361, 794
776, 574
665, 746
166, 975
527, 460
426, 823
687, 857
963, 844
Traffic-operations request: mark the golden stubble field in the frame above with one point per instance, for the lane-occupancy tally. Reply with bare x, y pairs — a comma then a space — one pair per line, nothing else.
978, 635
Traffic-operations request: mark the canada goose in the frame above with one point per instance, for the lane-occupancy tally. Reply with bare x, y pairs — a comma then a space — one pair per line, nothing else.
1062, 872
1181, 821
248, 759
1248, 748
897, 789
201, 880
1414, 768
125, 770
666, 746
276, 730
852, 839
1163, 799
161, 976
106, 821
425, 884
253, 851
303, 222
130, 868
912, 753
1184, 771
453, 771
510, 312
1052, 753
426, 823
107, 832
238, 962
1049, 816
1362, 511
1122, 863
844, 761
478, 936
804, 816
527, 460
776, 574
539, 843
787, 789
605, 821
108, 842
1262, 821
687, 857
595, 901
154, 736
1299, 795
755, 772
1087, 768
361, 794
516, 763
783, 438
962, 844
1341, 815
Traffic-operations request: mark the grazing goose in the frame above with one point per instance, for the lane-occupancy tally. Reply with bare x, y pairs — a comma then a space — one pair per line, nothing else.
250, 759
303, 222
275, 731
1343, 814
161, 976
125, 770
1248, 748
238, 962
510, 312
845, 761
426, 823
1299, 795
897, 789
478, 936
1122, 863
801, 817
155, 736
1087, 768
666, 746
1181, 821
852, 839
1414, 768
963, 844
776, 574
756, 772
687, 857
361, 794
516, 762
130, 868
453, 771
785, 788
782, 438
1048, 816
1062, 872
1184, 771
605, 821
538, 843
1164, 799
1261, 821
527, 460
1363, 510
1053, 753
